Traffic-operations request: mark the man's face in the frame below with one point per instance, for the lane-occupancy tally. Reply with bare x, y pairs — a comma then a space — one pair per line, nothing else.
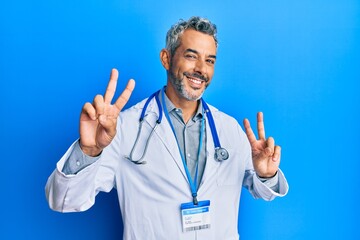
192, 65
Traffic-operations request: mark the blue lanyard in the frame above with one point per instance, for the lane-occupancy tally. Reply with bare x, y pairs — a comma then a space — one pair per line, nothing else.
192, 183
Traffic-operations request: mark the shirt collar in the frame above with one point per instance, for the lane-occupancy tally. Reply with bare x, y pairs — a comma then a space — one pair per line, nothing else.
172, 109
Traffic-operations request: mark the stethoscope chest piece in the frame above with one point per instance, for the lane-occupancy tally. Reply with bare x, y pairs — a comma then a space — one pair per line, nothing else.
221, 154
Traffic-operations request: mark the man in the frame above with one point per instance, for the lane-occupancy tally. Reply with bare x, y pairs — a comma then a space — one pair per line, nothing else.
173, 179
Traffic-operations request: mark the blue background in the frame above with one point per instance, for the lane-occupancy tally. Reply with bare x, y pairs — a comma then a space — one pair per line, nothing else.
297, 61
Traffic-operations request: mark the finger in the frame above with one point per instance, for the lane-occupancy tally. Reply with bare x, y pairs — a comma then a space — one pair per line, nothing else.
270, 142
125, 95
249, 132
260, 125
277, 154
269, 149
266, 153
111, 88
108, 124
99, 105
89, 110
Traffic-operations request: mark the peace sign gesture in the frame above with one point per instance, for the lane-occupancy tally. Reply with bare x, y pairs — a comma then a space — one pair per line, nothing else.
265, 155
98, 119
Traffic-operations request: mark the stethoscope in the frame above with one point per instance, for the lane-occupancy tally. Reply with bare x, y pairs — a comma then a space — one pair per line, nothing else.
221, 154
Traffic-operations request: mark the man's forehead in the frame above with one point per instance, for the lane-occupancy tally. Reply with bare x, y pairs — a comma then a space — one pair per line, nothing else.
198, 42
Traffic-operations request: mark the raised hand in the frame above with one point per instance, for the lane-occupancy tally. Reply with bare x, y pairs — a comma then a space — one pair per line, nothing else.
265, 155
98, 119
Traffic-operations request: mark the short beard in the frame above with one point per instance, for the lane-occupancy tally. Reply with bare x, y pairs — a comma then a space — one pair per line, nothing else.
178, 84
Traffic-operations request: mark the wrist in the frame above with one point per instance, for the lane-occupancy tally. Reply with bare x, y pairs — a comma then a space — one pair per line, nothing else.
90, 151
268, 176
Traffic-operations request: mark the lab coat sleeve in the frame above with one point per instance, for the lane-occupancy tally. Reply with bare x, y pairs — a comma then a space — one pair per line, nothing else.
259, 189
77, 192
77, 160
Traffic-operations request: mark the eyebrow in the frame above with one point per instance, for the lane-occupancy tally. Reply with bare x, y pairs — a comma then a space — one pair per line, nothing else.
196, 52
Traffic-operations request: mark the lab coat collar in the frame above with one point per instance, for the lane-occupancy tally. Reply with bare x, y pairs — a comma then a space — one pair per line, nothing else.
165, 134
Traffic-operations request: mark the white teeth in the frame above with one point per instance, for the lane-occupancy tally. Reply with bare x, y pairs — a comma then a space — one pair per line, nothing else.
195, 81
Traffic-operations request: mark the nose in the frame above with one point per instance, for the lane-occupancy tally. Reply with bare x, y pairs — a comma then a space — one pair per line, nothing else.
200, 67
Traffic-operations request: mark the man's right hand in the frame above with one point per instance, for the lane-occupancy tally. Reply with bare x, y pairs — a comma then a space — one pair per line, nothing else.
98, 120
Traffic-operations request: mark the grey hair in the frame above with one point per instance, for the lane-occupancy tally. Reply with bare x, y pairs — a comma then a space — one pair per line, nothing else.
197, 23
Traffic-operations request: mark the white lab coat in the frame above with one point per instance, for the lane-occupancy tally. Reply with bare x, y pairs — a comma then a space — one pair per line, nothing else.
150, 195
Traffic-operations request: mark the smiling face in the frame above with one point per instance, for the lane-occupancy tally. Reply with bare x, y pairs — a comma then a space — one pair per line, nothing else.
191, 68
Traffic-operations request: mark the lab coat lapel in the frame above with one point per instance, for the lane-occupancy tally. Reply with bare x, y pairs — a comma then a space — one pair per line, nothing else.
211, 164
165, 134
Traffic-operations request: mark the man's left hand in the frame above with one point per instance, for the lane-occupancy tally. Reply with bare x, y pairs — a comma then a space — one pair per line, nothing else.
265, 154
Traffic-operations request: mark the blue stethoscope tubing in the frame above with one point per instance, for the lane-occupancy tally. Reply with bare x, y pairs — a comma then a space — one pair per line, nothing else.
141, 120
221, 154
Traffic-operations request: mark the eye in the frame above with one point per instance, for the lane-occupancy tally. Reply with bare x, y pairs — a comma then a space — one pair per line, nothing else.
190, 56
211, 61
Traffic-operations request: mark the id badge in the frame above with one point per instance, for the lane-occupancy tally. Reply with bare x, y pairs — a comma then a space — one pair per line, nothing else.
195, 217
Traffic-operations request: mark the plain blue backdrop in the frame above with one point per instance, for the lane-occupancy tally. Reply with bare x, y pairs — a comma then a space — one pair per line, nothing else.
297, 61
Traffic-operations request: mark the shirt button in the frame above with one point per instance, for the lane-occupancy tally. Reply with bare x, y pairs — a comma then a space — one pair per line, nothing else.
188, 155
77, 163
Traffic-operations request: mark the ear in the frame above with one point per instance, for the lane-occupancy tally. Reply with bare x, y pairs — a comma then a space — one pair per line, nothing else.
165, 58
